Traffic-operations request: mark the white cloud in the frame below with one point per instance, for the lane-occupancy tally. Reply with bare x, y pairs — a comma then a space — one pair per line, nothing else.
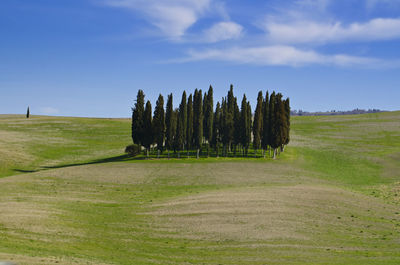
48, 111
223, 31
371, 4
316, 32
280, 55
171, 17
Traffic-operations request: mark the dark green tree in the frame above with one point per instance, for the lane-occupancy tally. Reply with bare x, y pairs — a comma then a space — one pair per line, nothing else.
257, 123
208, 117
281, 123
216, 129
198, 120
159, 123
148, 138
244, 125
249, 125
227, 127
189, 130
237, 133
265, 124
27, 113
274, 131
287, 129
137, 119
231, 100
181, 125
169, 124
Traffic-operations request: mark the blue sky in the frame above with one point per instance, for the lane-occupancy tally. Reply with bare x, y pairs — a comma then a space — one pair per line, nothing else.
89, 57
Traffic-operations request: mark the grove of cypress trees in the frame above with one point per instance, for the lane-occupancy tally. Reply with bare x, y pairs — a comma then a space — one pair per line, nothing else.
189, 130
137, 119
169, 124
198, 120
257, 124
159, 123
148, 128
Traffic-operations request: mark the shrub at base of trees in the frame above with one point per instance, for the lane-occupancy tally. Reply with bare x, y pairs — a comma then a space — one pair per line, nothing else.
133, 150
195, 124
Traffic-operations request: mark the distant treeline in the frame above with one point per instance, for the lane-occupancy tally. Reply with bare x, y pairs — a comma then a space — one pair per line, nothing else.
197, 124
333, 112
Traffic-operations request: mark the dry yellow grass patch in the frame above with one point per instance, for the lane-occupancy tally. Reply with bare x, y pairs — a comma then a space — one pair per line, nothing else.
302, 212
28, 260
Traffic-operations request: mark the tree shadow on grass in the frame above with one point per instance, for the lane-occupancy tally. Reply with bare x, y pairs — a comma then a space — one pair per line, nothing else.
119, 158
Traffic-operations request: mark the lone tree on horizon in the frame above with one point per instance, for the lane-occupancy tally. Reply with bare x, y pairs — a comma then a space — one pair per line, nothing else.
27, 113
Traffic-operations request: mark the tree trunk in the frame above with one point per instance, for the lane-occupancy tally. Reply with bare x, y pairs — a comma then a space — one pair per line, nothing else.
274, 153
168, 153
158, 154
198, 151
147, 152
264, 153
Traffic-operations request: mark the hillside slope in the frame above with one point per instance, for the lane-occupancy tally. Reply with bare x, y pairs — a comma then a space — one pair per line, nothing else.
330, 198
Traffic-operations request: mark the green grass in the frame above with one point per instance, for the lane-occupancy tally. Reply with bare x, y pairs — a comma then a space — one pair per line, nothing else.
330, 198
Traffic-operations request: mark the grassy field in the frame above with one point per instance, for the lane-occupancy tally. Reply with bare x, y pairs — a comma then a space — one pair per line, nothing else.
68, 195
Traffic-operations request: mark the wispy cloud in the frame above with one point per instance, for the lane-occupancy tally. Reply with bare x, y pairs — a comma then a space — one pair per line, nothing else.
171, 17
223, 31
280, 56
48, 110
319, 32
371, 4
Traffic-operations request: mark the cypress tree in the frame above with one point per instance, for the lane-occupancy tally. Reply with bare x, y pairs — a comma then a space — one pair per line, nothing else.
244, 125
265, 124
249, 127
189, 130
174, 125
216, 129
198, 120
204, 117
169, 123
281, 122
27, 113
231, 100
181, 125
147, 126
159, 123
257, 124
287, 129
137, 119
237, 134
209, 117
273, 138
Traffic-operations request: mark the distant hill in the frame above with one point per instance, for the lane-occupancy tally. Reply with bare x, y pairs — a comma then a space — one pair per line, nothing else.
334, 112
